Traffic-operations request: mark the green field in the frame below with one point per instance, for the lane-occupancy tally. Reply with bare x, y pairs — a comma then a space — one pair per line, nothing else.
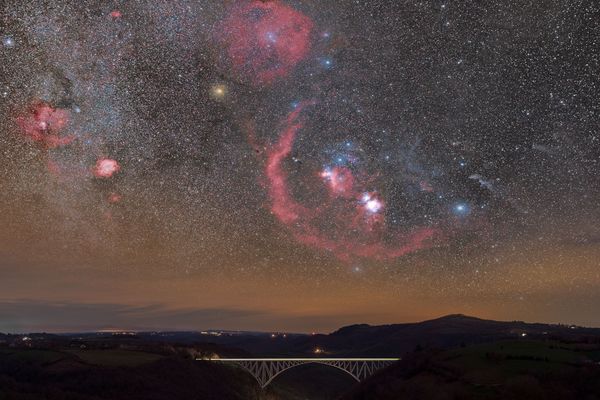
33, 356
115, 358
108, 358
488, 364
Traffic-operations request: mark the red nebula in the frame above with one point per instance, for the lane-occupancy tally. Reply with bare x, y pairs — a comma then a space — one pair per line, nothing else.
284, 207
426, 187
53, 167
340, 180
106, 168
360, 223
116, 14
43, 123
114, 198
265, 40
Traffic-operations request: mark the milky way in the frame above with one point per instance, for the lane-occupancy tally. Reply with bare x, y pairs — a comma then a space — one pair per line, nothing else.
329, 162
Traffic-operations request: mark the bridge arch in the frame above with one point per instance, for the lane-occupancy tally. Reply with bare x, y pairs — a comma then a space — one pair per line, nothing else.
264, 370
271, 379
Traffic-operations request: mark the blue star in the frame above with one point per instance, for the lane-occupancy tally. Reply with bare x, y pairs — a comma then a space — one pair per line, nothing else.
271, 37
327, 63
462, 209
8, 41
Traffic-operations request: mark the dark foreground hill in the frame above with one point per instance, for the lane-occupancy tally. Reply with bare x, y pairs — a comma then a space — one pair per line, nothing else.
51, 375
453, 357
523, 370
115, 374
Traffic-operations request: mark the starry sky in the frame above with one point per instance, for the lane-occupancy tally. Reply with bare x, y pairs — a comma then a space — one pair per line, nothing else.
297, 165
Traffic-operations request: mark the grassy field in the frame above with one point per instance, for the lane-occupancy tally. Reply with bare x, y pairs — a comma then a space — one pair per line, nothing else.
115, 358
517, 370
32, 355
113, 374
487, 364
108, 358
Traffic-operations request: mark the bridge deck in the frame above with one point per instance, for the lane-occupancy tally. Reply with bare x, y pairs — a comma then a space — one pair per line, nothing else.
314, 359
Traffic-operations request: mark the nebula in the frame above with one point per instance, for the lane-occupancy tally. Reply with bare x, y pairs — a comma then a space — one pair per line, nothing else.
340, 181
44, 124
114, 197
264, 41
351, 223
106, 168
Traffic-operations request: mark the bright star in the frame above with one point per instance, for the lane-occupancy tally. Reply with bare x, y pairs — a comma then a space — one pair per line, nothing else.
218, 91
327, 63
271, 37
373, 205
461, 209
8, 41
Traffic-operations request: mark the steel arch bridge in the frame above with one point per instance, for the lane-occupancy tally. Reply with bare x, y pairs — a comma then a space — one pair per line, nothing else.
264, 370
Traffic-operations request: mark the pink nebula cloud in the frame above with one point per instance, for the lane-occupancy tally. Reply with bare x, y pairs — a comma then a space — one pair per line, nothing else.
106, 168
359, 223
340, 181
264, 41
44, 124
114, 198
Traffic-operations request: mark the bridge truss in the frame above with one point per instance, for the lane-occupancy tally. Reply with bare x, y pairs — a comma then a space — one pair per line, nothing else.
264, 370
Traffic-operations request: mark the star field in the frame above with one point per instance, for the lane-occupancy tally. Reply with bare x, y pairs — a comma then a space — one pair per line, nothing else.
309, 163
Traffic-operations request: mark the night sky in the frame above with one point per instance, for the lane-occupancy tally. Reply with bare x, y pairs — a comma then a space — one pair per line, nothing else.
297, 165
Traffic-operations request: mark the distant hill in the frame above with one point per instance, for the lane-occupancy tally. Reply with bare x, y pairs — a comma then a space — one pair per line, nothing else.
358, 340
383, 340
445, 332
